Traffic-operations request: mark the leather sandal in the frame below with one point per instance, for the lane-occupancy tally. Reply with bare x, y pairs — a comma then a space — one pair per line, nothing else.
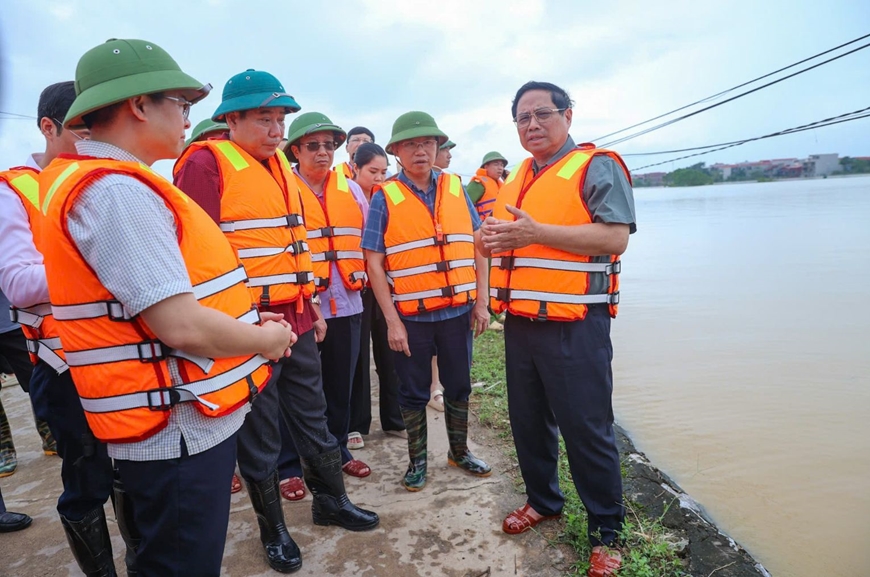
356, 468
604, 562
290, 488
519, 520
236, 485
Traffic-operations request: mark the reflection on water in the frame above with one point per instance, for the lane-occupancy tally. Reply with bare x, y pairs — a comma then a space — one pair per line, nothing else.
742, 361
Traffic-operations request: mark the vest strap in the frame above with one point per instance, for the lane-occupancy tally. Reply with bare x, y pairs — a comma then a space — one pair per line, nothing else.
30, 316
330, 231
146, 352
220, 283
112, 309
289, 221
297, 247
335, 255
442, 266
44, 350
507, 295
288, 278
448, 291
511, 263
166, 398
358, 275
429, 242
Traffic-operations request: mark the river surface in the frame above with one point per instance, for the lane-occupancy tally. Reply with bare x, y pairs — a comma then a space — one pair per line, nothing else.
742, 362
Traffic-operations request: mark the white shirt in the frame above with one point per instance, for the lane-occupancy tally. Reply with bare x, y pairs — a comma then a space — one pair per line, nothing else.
22, 272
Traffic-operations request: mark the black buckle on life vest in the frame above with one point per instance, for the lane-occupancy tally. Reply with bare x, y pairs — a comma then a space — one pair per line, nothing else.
507, 263
442, 266
615, 268
304, 277
614, 298
440, 240
253, 391
294, 220
166, 399
503, 294
448, 291
265, 299
330, 255
297, 247
327, 231
117, 318
155, 348
13, 315
421, 307
542, 312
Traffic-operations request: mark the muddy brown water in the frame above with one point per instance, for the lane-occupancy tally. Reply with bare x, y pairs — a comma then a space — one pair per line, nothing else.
742, 362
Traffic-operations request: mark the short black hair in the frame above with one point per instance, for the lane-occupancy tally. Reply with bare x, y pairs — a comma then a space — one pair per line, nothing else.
559, 95
360, 130
366, 152
55, 102
108, 113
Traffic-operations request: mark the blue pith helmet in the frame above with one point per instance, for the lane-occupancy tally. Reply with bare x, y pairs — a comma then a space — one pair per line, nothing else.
254, 89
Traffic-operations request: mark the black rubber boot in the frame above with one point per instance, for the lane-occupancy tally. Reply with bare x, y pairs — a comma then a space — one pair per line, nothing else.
418, 436
124, 516
331, 504
90, 543
456, 417
281, 550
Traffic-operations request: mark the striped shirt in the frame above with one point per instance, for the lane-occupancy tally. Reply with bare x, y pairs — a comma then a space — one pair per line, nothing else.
127, 235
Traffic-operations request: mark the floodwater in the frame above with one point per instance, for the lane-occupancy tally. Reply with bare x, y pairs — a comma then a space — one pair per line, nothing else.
742, 362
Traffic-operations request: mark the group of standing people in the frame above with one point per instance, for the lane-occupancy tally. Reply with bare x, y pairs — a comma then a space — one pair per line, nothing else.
226, 318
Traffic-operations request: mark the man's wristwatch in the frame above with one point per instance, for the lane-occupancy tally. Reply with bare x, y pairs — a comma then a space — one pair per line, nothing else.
315, 300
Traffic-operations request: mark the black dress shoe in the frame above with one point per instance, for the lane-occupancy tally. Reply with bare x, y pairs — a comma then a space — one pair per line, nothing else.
10, 522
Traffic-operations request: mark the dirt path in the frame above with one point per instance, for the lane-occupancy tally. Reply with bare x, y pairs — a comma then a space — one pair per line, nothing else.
452, 527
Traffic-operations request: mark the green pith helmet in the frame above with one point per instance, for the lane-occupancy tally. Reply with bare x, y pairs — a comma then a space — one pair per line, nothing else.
253, 89
310, 123
121, 69
414, 125
490, 156
448, 145
206, 128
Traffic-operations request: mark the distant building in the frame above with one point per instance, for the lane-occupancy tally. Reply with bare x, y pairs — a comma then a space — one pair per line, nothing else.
648, 179
821, 164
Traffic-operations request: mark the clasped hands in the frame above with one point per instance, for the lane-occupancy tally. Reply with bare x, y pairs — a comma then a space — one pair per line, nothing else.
503, 235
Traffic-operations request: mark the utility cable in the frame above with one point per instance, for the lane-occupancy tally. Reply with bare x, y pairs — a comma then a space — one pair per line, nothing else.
857, 115
733, 88
741, 95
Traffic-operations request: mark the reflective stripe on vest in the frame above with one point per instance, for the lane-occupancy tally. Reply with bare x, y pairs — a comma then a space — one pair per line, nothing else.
331, 231
297, 247
335, 255
449, 291
513, 263
545, 297
30, 316
429, 242
44, 349
442, 266
255, 223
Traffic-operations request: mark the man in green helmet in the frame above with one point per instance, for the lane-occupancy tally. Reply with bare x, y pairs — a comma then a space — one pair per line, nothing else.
248, 187
424, 263
148, 301
207, 128
484, 185
444, 156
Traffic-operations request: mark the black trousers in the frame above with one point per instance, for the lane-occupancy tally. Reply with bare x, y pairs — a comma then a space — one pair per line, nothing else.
559, 379
13, 348
339, 353
295, 392
373, 342
86, 469
449, 339
182, 510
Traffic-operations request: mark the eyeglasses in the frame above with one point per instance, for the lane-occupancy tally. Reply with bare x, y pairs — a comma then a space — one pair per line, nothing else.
183, 102
74, 133
411, 146
360, 139
315, 146
542, 115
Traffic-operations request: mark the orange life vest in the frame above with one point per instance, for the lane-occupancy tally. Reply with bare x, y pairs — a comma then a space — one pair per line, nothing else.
120, 368
262, 217
490, 192
334, 232
37, 323
346, 169
543, 282
429, 259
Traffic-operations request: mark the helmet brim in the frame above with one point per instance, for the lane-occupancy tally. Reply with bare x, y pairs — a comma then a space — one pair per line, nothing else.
255, 101
416, 132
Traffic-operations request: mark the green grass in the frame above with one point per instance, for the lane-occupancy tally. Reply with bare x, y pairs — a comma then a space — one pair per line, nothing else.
648, 547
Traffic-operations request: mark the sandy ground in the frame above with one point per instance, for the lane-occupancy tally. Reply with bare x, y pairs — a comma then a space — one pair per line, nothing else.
452, 527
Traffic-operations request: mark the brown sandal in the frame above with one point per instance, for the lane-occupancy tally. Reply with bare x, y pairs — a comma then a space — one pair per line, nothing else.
236, 485
604, 562
519, 521
356, 468
290, 488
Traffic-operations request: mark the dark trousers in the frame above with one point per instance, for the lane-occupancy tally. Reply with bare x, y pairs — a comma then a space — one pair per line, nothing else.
374, 334
559, 379
295, 392
182, 509
13, 348
86, 469
451, 341
339, 353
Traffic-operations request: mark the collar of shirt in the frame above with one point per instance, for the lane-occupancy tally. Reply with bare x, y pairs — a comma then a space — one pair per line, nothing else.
318, 194
104, 150
433, 183
33, 161
566, 148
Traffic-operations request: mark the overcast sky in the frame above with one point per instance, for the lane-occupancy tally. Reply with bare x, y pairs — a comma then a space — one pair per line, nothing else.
367, 61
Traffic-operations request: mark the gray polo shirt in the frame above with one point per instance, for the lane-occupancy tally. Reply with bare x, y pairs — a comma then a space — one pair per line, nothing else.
609, 197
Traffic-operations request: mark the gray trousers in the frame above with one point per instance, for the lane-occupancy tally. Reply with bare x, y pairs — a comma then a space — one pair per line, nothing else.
295, 392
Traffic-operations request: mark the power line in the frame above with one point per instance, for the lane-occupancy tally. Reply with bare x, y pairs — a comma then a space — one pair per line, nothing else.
797, 128
741, 95
15, 116
733, 88
847, 117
